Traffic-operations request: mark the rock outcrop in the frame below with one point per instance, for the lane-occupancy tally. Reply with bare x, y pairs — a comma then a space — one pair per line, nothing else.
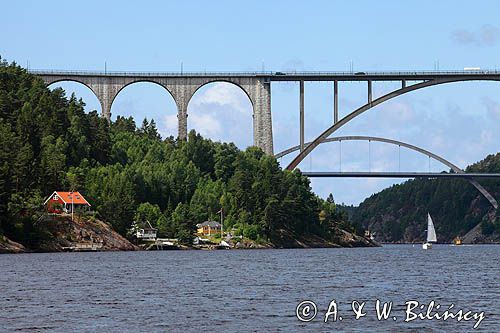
83, 231
8, 246
285, 239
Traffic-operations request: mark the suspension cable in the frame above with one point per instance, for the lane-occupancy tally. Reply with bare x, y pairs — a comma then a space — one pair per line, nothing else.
340, 156
369, 155
399, 156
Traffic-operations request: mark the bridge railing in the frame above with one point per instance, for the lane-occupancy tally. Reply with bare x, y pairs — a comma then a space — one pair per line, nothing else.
270, 73
122, 73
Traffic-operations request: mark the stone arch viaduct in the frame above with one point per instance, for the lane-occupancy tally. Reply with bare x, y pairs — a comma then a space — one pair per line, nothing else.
181, 87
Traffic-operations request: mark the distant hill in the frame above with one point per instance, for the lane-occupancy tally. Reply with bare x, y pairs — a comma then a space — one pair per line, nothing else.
398, 213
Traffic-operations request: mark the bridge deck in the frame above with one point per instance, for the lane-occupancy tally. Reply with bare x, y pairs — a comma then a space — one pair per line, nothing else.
400, 175
292, 76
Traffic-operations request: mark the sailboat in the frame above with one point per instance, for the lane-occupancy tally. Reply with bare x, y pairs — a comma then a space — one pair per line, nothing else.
431, 234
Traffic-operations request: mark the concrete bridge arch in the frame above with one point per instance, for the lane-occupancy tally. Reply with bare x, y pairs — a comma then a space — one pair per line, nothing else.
442, 160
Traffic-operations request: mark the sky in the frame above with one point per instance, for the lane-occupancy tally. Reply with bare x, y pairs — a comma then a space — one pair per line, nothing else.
459, 121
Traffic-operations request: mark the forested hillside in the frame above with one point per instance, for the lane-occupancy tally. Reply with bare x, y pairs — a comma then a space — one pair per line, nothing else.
48, 143
398, 213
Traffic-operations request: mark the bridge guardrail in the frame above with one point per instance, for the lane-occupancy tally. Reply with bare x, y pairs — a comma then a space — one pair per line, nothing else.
279, 74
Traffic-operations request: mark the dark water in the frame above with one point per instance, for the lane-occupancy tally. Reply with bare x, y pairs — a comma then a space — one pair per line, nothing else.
245, 291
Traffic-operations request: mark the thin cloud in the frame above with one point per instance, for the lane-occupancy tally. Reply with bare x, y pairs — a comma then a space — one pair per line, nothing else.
487, 35
222, 111
224, 94
492, 107
293, 65
169, 126
206, 124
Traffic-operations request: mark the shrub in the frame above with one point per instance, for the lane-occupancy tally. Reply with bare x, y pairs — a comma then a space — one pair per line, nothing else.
487, 228
251, 231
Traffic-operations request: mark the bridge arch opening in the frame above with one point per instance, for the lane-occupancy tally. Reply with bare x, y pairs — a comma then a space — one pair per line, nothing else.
150, 100
80, 90
222, 111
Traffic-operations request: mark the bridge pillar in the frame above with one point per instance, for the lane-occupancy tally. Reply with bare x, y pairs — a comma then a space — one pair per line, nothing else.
105, 89
181, 89
301, 115
182, 116
335, 102
369, 92
106, 101
260, 94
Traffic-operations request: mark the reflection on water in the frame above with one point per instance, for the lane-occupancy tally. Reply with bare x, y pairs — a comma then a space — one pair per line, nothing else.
244, 291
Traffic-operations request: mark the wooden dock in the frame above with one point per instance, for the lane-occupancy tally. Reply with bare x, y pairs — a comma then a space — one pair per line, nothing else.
83, 247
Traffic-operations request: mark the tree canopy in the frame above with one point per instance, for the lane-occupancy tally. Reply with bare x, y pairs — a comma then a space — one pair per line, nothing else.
127, 173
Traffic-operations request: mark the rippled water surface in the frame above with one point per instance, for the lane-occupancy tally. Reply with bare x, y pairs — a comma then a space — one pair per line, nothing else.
246, 290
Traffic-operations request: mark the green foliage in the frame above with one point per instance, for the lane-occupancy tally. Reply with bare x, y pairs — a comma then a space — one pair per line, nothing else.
111, 190
45, 140
487, 228
49, 143
184, 223
148, 212
497, 221
24, 209
251, 231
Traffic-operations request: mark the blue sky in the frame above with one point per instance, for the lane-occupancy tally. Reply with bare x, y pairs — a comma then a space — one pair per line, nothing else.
459, 121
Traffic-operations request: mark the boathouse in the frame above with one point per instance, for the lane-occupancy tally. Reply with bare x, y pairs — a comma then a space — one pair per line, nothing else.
145, 231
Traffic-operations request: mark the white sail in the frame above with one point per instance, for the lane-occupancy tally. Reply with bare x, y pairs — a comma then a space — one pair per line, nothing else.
431, 232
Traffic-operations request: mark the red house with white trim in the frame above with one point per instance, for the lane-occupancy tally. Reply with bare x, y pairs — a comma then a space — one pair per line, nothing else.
59, 202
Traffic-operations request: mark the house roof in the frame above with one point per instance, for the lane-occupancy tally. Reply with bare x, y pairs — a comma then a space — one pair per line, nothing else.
146, 226
70, 198
212, 224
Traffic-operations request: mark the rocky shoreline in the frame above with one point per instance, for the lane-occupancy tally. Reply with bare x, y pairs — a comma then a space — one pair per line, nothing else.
91, 234
344, 239
8, 246
85, 233
66, 233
